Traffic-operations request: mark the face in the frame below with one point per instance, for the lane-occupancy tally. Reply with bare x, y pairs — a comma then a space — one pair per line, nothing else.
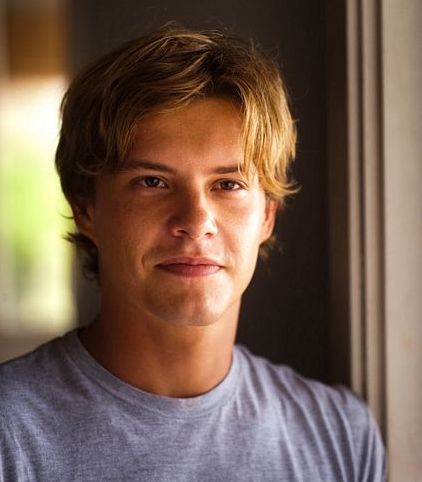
178, 229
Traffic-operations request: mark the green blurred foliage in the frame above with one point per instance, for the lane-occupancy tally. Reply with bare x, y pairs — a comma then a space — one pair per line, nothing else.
35, 211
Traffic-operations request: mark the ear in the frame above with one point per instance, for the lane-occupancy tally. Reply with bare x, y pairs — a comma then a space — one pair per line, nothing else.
271, 207
83, 214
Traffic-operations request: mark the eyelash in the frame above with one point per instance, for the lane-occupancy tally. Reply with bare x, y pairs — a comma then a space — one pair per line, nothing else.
239, 185
142, 181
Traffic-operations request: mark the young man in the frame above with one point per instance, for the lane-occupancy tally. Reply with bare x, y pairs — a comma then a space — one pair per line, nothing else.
174, 154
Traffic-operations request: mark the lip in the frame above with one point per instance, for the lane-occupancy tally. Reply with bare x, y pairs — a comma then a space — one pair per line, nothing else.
190, 267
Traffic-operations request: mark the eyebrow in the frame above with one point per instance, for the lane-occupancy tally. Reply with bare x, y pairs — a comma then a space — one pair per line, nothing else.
157, 166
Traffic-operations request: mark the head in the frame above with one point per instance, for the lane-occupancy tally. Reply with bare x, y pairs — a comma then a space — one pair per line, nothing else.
165, 72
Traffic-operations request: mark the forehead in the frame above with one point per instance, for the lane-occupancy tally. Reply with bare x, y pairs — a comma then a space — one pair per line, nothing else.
210, 127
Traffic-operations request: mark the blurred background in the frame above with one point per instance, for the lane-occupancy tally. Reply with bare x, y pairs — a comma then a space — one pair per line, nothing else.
36, 300
341, 302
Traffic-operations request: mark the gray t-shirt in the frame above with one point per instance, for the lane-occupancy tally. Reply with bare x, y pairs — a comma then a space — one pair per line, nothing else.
63, 417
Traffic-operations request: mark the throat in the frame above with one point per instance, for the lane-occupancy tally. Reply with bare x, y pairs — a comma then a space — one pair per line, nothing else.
180, 362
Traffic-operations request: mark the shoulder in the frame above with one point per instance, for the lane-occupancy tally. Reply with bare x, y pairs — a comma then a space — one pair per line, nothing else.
289, 385
27, 383
34, 374
32, 390
328, 415
30, 361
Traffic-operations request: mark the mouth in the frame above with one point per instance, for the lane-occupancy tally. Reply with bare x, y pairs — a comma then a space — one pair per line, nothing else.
190, 267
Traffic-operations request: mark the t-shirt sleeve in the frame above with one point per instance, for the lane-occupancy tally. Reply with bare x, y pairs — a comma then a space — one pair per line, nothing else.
374, 464
11, 460
370, 452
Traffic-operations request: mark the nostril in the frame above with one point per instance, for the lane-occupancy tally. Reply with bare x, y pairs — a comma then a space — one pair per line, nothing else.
194, 227
195, 231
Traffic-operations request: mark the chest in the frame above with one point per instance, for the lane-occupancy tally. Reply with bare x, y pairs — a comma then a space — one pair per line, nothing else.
224, 445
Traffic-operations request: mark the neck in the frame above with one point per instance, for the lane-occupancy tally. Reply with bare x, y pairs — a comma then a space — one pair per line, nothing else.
160, 358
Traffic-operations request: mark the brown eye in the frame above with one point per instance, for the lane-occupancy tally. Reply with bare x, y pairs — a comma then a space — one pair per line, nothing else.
151, 182
229, 185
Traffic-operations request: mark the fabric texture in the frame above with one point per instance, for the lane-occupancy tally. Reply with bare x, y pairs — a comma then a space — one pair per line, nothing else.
63, 417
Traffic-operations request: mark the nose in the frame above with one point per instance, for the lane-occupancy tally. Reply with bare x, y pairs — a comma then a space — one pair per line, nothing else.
193, 217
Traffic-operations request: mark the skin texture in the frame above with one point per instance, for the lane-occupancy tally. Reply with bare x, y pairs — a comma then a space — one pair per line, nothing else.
164, 325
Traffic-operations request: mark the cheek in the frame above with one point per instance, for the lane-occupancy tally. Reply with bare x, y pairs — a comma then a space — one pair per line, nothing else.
245, 225
251, 215
119, 229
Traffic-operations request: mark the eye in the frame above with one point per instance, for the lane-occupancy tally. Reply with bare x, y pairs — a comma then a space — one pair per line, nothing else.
230, 185
150, 182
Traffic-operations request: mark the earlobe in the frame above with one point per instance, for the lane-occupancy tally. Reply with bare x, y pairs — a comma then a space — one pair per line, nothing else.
83, 215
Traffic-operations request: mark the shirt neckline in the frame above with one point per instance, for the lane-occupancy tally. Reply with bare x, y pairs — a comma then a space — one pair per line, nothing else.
162, 405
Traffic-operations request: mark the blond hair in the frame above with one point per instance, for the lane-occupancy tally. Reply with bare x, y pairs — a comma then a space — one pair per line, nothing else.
160, 72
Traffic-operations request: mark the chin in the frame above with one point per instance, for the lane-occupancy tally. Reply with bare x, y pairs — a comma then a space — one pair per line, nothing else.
192, 316
196, 305
188, 312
